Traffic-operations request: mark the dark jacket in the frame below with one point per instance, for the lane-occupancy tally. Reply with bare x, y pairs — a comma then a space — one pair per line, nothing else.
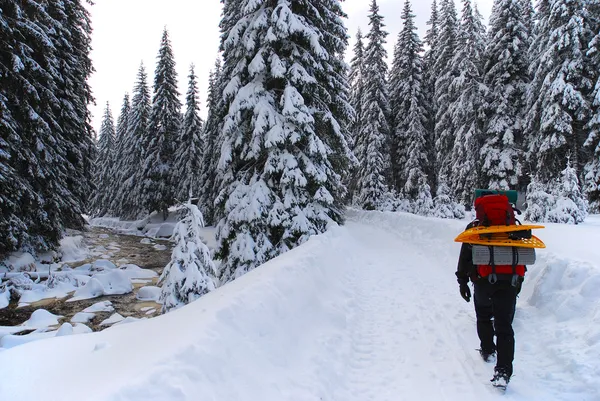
466, 269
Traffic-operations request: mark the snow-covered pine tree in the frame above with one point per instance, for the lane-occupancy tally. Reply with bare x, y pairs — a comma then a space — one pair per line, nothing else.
467, 93
188, 158
423, 205
16, 195
119, 160
159, 183
409, 138
130, 199
445, 74
592, 143
212, 148
31, 129
570, 205
538, 201
431, 41
102, 169
283, 142
372, 141
528, 13
71, 37
506, 78
560, 91
357, 84
191, 272
443, 205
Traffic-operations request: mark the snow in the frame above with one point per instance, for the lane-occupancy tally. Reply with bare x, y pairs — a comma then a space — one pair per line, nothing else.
104, 306
367, 311
11, 341
41, 318
114, 318
82, 317
154, 226
149, 293
113, 282
100, 265
20, 261
73, 249
4, 298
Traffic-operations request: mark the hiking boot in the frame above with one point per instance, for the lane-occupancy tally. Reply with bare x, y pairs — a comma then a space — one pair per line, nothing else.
488, 357
500, 379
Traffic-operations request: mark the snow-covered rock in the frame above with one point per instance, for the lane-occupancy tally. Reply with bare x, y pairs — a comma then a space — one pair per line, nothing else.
41, 318
66, 329
149, 293
82, 317
104, 306
114, 318
102, 265
92, 289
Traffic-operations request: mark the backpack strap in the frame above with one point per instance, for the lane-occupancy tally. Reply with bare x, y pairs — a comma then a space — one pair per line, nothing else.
515, 262
492, 278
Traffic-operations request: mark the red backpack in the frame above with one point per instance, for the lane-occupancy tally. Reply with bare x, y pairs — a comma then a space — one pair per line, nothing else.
494, 210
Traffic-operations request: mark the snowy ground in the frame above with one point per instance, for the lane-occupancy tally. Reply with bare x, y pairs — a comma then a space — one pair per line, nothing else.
368, 311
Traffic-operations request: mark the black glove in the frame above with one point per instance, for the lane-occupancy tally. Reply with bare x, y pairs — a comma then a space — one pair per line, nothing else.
519, 284
465, 291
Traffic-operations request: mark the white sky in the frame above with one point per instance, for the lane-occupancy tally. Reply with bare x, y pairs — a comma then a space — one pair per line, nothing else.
127, 32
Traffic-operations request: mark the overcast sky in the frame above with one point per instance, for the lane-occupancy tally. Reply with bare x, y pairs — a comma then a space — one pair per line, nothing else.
127, 32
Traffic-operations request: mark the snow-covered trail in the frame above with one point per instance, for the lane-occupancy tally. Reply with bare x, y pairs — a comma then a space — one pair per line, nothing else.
403, 338
366, 312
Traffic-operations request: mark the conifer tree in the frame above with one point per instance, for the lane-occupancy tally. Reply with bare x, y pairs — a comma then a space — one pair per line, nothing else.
410, 161
570, 206
467, 93
212, 150
443, 205
506, 78
562, 83
592, 143
429, 59
284, 135
538, 201
130, 200
46, 139
371, 143
158, 182
191, 272
188, 158
120, 158
445, 73
104, 161
357, 83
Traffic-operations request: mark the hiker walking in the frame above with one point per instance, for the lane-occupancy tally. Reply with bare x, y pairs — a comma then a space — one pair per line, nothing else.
495, 290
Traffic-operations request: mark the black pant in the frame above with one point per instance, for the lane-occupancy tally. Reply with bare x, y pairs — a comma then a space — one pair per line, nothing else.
498, 301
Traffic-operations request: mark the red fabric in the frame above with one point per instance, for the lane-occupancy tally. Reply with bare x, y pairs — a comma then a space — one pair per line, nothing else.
486, 270
494, 210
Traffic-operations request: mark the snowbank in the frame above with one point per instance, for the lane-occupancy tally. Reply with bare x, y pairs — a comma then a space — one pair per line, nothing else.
153, 226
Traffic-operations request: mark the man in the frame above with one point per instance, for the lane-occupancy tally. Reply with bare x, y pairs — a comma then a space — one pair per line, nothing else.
493, 299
